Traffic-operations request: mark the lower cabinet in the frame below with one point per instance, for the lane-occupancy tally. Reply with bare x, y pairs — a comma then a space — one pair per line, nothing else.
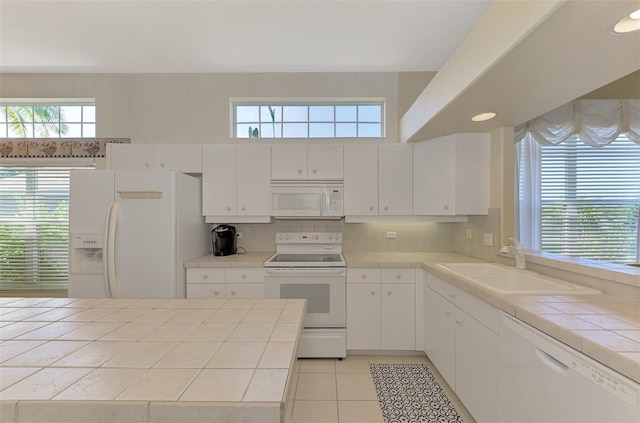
381, 311
222, 282
464, 350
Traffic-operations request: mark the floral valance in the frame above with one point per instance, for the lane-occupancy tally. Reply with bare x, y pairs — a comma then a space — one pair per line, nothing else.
56, 147
597, 122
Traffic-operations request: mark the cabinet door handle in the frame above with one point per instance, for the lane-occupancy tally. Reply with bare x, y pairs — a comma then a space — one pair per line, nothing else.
216, 292
161, 164
233, 292
373, 292
364, 276
243, 209
371, 208
447, 312
446, 207
452, 295
386, 208
315, 171
146, 164
399, 276
205, 276
458, 321
244, 276
389, 292
299, 170
228, 208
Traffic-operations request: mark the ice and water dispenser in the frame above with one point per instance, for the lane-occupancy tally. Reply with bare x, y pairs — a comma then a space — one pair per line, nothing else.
86, 253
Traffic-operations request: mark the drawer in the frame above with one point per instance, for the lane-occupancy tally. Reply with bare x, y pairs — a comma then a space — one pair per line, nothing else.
245, 275
485, 313
398, 275
363, 275
245, 290
205, 275
206, 290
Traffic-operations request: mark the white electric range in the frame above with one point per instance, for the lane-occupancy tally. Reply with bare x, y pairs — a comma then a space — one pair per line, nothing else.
310, 265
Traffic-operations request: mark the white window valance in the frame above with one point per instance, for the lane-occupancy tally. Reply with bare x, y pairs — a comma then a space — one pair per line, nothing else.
597, 122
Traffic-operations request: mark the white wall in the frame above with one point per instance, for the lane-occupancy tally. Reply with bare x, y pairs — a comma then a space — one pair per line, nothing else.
193, 108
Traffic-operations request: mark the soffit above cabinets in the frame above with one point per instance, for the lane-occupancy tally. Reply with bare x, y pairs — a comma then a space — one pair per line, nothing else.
563, 52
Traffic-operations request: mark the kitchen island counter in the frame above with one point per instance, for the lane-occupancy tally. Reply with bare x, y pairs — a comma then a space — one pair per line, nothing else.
148, 360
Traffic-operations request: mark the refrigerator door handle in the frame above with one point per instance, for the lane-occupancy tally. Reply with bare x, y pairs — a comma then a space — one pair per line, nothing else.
111, 249
105, 251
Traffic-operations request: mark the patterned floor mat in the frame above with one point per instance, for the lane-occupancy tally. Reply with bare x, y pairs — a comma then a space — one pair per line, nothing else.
410, 393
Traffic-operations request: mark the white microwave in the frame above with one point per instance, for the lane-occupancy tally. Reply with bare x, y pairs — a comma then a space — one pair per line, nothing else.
307, 199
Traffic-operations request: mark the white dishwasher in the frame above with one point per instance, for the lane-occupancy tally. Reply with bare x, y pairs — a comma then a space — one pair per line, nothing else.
543, 380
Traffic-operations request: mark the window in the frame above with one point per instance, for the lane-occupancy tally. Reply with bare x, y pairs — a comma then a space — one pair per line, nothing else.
43, 119
34, 197
308, 120
588, 198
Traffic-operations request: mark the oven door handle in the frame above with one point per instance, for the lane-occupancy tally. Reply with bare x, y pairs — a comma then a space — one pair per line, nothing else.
297, 272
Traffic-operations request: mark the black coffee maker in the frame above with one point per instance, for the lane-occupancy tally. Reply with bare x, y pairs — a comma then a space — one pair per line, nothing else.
224, 240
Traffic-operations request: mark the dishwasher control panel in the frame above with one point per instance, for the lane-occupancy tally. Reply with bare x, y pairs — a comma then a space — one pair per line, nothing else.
608, 381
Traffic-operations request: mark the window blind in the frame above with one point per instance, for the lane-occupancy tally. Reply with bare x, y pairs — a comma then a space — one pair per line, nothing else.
590, 199
34, 227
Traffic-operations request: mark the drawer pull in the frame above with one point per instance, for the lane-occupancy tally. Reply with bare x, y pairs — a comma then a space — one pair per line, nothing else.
458, 321
386, 208
373, 292
452, 295
370, 208
228, 208
389, 292
233, 292
398, 276
243, 209
364, 276
161, 164
244, 276
216, 292
447, 312
205, 276
315, 171
299, 170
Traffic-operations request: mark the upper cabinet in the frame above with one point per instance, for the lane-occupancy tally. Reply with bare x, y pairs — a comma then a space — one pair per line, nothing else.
451, 175
361, 180
235, 183
186, 158
395, 179
307, 162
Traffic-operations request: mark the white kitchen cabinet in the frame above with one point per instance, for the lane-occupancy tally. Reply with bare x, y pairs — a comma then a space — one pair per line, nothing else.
395, 179
451, 175
253, 187
220, 282
186, 158
361, 180
397, 316
313, 162
464, 350
219, 193
381, 314
235, 183
363, 316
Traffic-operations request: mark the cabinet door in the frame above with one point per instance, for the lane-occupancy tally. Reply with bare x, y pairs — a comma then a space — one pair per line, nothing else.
206, 290
253, 170
477, 350
397, 316
361, 180
219, 180
186, 158
245, 290
324, 161
434, 176
473, 157
395, 180
363, 316
439, 335
131, 156
288, 162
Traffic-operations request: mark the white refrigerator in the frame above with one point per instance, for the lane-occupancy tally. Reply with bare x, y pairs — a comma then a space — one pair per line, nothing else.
131, 231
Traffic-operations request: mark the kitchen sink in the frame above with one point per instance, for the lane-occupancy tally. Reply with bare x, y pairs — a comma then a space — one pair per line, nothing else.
510, 281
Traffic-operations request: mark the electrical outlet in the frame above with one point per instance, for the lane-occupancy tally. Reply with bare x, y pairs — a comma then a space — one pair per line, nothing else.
239, 234
488, 239
391, 235
469, 236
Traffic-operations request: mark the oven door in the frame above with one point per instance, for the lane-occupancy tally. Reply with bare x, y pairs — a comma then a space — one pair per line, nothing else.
323, 288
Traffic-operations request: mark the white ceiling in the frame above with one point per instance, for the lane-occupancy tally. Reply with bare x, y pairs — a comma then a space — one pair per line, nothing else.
143, 36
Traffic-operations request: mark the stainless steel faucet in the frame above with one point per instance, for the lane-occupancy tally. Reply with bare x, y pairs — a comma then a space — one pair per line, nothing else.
517, 250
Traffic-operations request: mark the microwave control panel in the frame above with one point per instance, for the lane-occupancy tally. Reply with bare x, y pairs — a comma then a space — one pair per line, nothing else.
335, 199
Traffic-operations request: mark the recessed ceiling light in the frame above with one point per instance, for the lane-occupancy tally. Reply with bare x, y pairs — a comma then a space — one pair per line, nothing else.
629, 23
483, 116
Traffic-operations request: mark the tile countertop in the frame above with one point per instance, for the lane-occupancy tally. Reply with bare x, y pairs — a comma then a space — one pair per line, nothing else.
66, 359
255, 259
604, 327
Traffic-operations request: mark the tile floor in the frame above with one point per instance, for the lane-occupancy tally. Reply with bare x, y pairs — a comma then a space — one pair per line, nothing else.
342, 391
